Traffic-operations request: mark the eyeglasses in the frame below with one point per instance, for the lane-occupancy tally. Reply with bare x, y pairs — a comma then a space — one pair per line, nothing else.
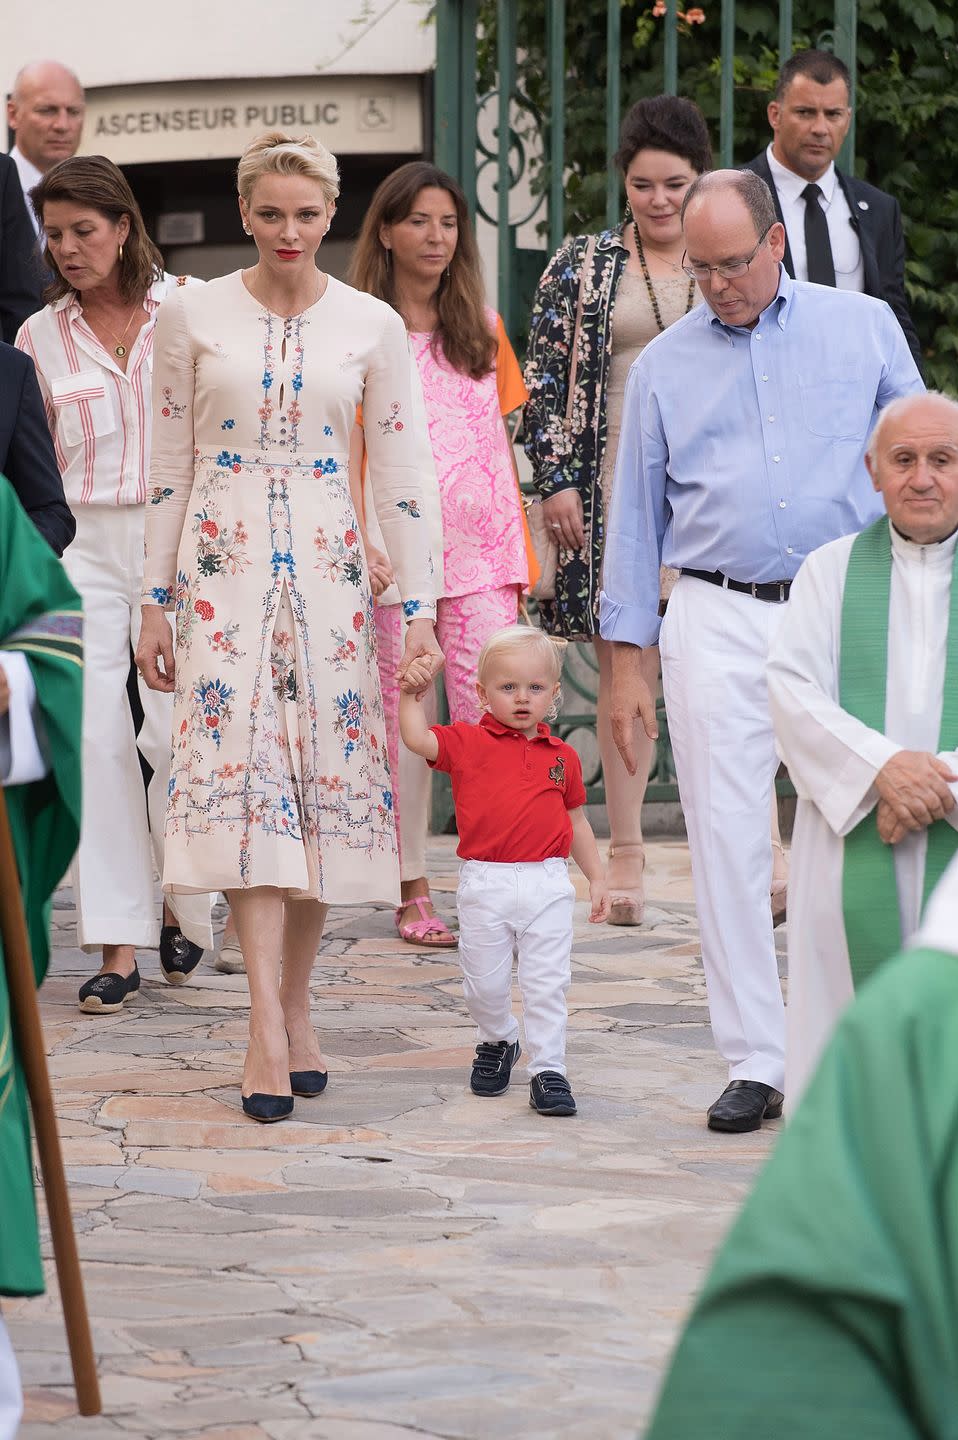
732, 269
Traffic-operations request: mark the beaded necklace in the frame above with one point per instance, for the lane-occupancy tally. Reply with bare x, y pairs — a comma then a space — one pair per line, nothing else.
648, 281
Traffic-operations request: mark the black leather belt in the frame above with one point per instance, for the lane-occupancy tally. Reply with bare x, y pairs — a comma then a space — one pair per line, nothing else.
772, 591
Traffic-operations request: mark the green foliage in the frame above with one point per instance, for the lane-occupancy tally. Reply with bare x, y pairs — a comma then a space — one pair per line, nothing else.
906, 114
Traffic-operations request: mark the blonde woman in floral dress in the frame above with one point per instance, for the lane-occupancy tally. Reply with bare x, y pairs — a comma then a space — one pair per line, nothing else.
280, 792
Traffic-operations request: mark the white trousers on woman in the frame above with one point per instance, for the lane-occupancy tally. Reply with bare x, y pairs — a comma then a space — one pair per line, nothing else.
525, 907
121, 835
714, 647
11, 1394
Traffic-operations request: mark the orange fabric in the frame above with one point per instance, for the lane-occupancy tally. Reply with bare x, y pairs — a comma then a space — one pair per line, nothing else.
512, 394
509, 381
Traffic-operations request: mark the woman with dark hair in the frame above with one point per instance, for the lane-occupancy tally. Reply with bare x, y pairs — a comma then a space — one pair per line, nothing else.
417, 251
600, 301
92, 347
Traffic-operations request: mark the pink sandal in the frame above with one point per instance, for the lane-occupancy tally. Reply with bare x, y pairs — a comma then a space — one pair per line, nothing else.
428, 930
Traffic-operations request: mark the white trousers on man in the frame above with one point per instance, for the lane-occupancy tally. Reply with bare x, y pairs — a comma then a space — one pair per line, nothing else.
121, 836
714, 647
526, 908
11, 1394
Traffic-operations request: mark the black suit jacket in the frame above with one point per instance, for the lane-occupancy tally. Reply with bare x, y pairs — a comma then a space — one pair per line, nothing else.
27, 457
876, 216
19, 271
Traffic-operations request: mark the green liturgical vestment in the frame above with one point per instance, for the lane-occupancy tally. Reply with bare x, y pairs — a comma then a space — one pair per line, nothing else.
832, 1311
869, 888
40, 616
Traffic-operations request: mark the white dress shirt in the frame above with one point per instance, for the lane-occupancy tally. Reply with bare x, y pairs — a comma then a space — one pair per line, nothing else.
29, 176
99, 417
21, 756
846, 246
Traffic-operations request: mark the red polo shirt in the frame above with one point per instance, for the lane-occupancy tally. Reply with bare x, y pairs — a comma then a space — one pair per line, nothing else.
513, 795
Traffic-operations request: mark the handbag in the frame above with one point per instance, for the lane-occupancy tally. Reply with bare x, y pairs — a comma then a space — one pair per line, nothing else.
543, 536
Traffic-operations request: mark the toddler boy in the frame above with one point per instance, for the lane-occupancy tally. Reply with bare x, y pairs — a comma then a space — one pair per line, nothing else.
519, 806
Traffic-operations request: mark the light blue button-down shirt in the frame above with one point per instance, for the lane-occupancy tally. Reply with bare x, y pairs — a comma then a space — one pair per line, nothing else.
743, 450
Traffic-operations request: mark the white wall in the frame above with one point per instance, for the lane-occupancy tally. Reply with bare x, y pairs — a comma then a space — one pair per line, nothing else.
127, 42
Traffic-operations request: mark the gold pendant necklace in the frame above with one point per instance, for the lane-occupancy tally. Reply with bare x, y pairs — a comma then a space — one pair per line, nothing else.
119, 348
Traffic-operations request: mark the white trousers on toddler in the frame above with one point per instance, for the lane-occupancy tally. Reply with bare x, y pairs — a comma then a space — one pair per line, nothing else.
11, 1396
525, 907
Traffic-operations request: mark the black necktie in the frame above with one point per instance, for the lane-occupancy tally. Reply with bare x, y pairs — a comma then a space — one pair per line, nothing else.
818, 247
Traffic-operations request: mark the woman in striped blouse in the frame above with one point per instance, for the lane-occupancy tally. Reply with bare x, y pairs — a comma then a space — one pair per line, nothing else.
92, 347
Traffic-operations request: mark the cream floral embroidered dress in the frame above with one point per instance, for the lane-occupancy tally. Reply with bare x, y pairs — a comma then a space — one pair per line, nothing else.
279, 772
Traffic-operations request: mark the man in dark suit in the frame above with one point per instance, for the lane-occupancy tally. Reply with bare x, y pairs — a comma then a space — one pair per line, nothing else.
19, 274
839, 230
27, 457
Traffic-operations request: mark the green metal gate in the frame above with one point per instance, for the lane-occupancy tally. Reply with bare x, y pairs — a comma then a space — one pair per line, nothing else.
460, 149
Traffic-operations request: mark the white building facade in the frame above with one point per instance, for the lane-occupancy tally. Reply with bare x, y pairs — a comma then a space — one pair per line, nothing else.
174, 95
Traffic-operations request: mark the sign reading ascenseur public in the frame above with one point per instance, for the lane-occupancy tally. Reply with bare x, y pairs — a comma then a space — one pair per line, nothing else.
200, 120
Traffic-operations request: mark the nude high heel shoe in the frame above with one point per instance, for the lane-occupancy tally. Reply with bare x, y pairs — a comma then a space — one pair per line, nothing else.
627, 906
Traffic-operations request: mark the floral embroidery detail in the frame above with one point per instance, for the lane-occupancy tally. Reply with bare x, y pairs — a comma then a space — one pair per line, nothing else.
228, 461
185, 612
345, 653
283, 665
329, 466
349, 721
160, 493
213, 698
410, 507
162, 594
171, 410
227, 424
218, 549
411, 608
339, 559
327, 430
182, 280
203, 609
283, 557
223, 642
292, 334
392, 425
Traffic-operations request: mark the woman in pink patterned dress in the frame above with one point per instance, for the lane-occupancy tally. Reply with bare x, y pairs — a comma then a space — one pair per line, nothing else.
417, 251
280, 792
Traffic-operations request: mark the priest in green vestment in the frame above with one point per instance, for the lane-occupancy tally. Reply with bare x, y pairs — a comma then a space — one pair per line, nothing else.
831, 1312
863, 686
40, 721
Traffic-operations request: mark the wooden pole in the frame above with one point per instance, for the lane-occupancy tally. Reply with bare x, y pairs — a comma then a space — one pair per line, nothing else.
29, 1033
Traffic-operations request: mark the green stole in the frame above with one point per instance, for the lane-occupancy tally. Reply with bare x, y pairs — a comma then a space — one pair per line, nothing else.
40, 615
869, 888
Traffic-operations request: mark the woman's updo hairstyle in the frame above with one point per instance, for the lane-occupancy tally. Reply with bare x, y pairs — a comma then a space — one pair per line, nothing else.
665, 122
277, 153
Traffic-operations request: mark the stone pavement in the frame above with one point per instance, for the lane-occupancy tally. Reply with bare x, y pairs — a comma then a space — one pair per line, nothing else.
400, 1259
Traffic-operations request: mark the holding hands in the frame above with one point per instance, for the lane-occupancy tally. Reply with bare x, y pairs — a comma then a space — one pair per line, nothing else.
422, 658
914, 791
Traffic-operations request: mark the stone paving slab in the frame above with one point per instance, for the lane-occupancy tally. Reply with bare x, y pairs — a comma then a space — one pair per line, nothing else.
400, 1259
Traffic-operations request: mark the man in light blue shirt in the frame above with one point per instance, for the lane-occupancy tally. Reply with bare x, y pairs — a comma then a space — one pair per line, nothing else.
742, 449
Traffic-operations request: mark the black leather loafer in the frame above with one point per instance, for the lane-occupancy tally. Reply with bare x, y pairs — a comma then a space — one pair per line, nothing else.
267, 1109
308, 1082
179, 957
106, 993
743, 1105
492, 1067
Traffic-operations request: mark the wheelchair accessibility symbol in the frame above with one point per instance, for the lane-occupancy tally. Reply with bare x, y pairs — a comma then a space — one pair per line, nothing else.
376, 112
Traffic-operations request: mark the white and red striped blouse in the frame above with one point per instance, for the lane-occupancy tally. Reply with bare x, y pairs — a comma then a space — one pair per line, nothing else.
99, 417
